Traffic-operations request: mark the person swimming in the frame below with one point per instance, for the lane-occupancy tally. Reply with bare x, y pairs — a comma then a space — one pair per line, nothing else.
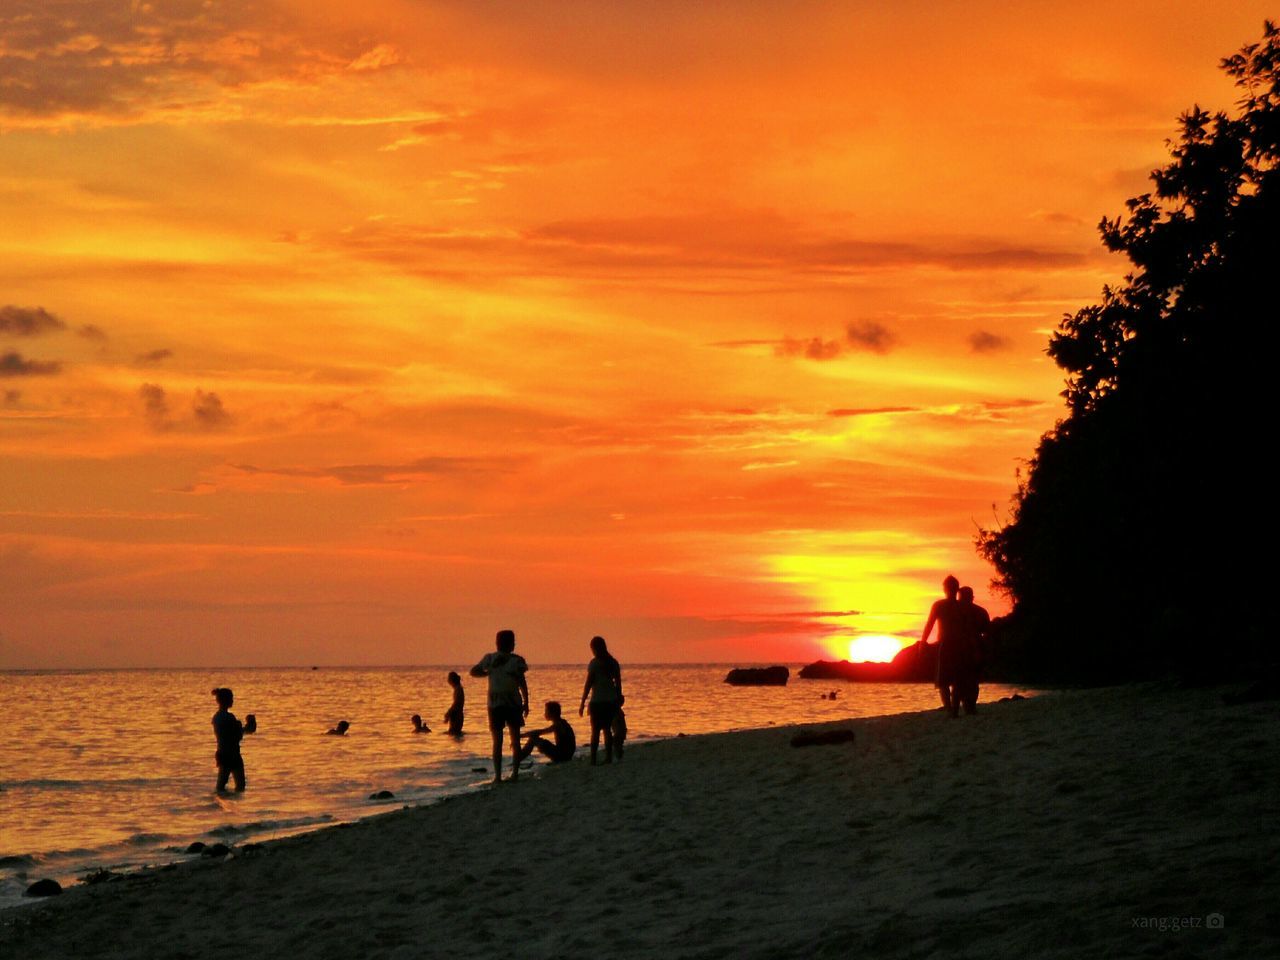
341, 729
418, 725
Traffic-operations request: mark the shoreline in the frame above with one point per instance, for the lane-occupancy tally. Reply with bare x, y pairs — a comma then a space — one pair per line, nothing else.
1031, 827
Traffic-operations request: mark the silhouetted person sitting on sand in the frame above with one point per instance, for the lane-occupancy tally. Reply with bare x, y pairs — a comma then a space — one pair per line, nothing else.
559, 750
341, 729
953, 630
604, 685
418, 725
453, 716
228, 732
971, 664
508, 698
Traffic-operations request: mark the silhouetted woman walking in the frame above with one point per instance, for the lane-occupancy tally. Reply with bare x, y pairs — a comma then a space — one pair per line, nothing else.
604, 686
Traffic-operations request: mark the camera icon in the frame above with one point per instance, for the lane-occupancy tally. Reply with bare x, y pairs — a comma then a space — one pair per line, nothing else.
1215, 921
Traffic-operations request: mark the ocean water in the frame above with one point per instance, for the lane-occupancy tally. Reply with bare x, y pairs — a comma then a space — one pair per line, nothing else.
114, 768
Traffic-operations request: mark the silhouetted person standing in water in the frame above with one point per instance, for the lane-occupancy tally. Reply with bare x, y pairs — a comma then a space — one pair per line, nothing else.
953, 627
453, 716
508, 698
229, 732
604, 685
971, 664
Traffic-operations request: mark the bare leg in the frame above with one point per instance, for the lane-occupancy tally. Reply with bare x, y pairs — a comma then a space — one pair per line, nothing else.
497, 754
223, 774
945, 692
515, 751
608, 744
595, 739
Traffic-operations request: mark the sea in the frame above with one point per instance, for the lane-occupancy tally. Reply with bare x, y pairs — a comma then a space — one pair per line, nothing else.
114, 770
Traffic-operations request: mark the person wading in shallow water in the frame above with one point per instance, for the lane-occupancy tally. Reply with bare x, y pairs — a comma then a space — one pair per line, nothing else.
604, 685
453, 716
508, 698
953, 628
229, 732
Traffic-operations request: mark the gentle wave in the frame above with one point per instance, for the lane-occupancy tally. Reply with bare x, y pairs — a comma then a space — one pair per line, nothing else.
262, 826
49, 784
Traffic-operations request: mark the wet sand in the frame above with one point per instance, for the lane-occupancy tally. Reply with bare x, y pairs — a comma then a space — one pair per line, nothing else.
1077, 824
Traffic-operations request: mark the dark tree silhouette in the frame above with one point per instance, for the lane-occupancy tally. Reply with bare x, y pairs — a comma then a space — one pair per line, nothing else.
1141, 527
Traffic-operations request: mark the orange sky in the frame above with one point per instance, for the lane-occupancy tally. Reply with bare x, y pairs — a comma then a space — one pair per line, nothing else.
714, 328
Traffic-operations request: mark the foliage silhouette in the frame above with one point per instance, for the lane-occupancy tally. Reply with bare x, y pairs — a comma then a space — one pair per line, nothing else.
1133, 546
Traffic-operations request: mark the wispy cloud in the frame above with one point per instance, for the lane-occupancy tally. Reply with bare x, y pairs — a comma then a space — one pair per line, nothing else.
383, 473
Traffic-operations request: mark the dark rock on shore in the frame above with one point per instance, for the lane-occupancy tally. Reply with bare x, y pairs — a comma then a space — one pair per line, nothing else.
758, 677
44, 888
216, 850
196, 847
913, 664
382, 795
825, 739
101, 875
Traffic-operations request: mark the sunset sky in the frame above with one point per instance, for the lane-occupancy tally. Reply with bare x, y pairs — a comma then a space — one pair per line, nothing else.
351, 333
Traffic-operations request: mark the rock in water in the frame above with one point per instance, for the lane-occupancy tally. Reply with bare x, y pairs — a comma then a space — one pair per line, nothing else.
382, 795
758, 677
196, 847
44, 888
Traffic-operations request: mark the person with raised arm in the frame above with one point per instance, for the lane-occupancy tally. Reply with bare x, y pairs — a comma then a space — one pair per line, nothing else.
508, 698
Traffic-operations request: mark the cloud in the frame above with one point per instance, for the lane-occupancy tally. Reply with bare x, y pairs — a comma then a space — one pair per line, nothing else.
11, 398
106, 61
732, 244
92, 332
869, 411
28, 321
983, 341
359, 474
14, 365
813, 348
154, 356
208, 411
809, 348
155, 406
869, 335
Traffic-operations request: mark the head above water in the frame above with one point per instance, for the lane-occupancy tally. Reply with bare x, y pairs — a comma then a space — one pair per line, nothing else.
224, 696
599, 647
950, 585
505, 641
552, 710
966, 594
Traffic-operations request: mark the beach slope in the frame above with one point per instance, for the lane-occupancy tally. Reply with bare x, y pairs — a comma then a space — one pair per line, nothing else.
1113, 822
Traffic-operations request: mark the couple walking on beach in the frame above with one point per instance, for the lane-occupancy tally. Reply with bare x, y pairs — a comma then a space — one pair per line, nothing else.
962, 630
509, 706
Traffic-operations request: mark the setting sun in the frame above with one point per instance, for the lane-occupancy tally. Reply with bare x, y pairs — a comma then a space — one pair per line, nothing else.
877, 648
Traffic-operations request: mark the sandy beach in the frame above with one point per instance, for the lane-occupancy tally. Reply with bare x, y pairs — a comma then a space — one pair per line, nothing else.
1131, 821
